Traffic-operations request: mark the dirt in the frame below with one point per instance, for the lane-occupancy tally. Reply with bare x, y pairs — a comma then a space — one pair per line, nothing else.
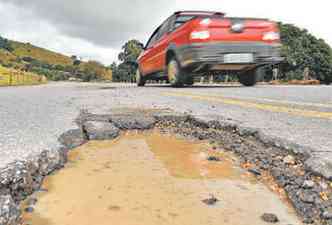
152, 178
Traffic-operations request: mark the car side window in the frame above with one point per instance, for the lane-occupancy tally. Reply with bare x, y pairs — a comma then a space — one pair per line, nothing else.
171, 24
165, 28
153, 38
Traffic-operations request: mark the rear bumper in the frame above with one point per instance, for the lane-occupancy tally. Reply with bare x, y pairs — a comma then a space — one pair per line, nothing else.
210, 55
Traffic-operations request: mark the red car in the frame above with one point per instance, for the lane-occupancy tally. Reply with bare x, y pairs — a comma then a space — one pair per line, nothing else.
197, 43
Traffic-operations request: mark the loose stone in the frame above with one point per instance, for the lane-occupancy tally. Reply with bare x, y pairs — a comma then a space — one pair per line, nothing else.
306, 197
32, 201
255, 171
327, 215
29, 209
270, 218
289, 160
213, 158
308, 184
210, 201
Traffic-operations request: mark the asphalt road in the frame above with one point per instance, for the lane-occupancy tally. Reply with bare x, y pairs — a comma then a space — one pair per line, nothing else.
31, 118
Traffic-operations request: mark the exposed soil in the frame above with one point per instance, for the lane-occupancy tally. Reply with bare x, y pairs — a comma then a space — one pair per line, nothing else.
152, 178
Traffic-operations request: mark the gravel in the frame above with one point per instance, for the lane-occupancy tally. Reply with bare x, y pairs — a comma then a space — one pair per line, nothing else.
9, 211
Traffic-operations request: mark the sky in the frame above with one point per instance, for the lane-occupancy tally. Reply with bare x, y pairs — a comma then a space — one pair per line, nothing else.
97, 29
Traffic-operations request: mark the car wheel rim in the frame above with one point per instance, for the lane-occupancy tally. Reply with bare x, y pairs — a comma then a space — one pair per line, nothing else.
172, 71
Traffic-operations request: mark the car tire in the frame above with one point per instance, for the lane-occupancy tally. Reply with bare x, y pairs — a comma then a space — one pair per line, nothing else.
140, 80
174, 73
248, 78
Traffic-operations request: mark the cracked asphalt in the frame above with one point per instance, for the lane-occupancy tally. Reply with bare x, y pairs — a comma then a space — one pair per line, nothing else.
32, 118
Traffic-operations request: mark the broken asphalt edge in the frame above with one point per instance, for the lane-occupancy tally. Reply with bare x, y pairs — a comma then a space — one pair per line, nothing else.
20, 179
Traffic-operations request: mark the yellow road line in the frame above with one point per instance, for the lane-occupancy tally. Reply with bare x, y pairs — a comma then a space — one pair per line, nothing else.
261, 106
310, 104
283, 102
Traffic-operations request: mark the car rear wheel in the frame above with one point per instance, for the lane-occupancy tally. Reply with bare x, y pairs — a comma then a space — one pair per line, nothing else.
248, 78
174, 73
140, 80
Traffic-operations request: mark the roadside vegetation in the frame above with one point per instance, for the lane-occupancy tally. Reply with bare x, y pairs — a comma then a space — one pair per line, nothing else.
306, 57
126, 69
11, 77
24, 57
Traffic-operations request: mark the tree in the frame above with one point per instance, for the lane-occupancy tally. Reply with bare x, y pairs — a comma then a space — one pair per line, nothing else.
93, 70
76, 60
113, 66
130, 52
303, 51
115, 74
5, 44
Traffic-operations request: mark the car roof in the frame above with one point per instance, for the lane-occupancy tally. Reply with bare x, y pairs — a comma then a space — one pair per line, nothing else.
198, 13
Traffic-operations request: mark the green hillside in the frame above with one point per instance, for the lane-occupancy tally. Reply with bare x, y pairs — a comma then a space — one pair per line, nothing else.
6, 57
41, 54
55, 66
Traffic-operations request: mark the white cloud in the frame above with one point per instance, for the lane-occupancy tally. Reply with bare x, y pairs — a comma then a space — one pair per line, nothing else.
103, 22
20, 25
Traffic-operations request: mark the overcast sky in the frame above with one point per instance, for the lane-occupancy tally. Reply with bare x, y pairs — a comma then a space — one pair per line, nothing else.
97, 29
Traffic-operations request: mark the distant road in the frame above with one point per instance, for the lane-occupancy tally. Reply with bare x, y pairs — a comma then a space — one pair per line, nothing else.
31, 118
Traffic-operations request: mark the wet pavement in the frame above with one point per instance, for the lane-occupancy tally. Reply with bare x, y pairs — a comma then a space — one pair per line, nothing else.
152, 178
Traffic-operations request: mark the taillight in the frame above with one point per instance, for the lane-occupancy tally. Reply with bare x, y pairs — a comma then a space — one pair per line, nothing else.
200, 35
271, 36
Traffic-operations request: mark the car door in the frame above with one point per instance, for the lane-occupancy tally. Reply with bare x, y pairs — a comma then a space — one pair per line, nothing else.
153, 58
161, 45
146, 59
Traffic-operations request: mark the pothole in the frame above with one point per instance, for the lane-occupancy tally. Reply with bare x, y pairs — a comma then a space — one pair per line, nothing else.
268, 163
153, 178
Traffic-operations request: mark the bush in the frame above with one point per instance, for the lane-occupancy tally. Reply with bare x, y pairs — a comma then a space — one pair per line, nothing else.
59, 67
5, 44
86, 77
28, 59
58, 76
92, 70
302, 50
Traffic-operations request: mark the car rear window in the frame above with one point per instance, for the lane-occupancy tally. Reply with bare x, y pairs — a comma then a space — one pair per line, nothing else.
180, 20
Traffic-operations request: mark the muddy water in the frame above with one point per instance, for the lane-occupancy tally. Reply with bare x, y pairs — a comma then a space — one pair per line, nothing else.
149, 179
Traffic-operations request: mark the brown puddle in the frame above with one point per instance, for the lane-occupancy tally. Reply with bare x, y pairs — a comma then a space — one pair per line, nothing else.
149, 179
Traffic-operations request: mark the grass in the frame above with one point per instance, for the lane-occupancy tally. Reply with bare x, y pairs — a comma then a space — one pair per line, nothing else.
6, 56
41, 54
11, 77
